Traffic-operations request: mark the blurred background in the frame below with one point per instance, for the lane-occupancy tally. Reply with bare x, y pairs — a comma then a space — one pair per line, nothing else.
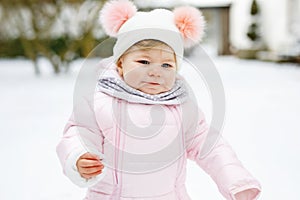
254, 44
61, 31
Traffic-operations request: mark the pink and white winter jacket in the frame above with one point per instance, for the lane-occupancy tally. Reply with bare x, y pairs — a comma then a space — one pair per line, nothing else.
151, 165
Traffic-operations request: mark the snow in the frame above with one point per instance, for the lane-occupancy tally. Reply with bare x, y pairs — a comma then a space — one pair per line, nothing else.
262, 125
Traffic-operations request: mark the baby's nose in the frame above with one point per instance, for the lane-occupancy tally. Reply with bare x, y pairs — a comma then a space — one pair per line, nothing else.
154, 70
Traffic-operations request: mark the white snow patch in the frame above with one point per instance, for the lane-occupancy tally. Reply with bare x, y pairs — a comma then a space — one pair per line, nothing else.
262, 125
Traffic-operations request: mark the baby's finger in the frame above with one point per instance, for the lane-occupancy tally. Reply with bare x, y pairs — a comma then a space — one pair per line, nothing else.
90, 170
89, 163
90, 156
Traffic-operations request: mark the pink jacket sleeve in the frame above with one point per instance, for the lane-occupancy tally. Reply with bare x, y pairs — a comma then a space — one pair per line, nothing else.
81, 135
222, 164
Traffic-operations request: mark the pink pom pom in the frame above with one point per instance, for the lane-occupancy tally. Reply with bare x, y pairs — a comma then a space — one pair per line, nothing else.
114, 14
191, 24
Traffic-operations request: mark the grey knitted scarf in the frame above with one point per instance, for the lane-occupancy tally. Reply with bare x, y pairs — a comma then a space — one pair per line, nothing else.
119, 89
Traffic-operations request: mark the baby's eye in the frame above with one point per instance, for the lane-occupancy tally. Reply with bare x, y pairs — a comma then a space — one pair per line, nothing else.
144, 62
166, 65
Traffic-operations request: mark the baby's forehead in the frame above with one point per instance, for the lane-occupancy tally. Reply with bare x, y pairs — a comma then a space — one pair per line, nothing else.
155, 53
165, 50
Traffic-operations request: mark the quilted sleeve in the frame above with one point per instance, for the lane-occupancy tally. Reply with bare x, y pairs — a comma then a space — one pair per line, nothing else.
81, 135
222, 164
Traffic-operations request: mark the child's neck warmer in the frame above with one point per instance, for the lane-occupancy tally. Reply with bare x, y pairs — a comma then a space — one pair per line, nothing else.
118, 88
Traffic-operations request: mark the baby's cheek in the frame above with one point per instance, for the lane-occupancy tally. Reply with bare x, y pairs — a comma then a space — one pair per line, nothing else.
133, 79
170, 81
130, 80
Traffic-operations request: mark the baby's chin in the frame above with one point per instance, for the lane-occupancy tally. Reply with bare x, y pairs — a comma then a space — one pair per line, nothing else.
153, 91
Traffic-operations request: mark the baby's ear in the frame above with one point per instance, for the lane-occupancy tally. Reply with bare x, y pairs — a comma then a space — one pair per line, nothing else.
114, 14
119, 67
191, 24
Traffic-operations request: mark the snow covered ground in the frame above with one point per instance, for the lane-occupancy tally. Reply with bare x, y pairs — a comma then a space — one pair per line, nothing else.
262, 125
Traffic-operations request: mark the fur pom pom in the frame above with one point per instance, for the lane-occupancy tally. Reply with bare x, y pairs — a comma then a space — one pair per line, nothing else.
191, 24
114, 14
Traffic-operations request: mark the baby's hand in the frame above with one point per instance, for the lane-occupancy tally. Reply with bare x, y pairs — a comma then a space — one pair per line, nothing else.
249, 194
89, 165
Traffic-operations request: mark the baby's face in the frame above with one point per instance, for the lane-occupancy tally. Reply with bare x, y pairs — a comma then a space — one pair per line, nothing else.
151, 71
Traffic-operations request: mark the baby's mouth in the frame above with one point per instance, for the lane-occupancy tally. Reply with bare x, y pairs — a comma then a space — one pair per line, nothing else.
153, 83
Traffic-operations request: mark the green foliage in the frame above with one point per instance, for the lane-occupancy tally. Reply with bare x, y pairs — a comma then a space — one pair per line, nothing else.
253, 32
254, 8
59, 45
11, 48
29, 28
253, 29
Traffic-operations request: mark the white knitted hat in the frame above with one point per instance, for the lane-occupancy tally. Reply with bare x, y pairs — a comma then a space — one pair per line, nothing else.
184, 27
